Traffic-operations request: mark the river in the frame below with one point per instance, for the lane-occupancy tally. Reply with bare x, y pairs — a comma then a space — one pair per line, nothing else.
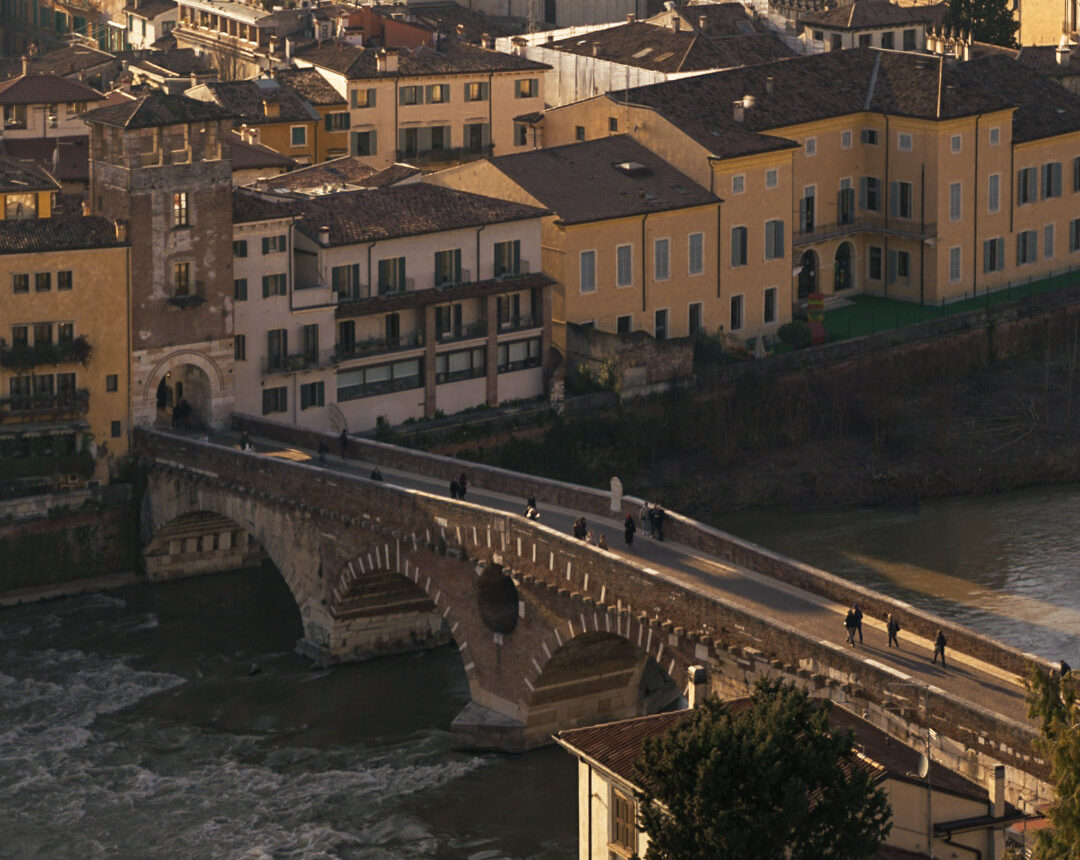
132, 725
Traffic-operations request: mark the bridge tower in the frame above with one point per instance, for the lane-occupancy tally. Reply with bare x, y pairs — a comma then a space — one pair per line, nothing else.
160, 166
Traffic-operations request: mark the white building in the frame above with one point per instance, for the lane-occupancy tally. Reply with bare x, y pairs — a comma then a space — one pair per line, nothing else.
146, 21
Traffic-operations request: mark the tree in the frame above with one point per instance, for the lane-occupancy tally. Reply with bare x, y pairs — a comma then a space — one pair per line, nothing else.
769, 780
988, 20
1054, 700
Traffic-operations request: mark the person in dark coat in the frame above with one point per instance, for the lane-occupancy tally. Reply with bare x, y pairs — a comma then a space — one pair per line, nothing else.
939, 648
463, 485
893, 626
858, 620
581, 528
376, 475
455, 489
849, 625
530, 501
344, 437
245, 441
657, 517
323, 448
628, 529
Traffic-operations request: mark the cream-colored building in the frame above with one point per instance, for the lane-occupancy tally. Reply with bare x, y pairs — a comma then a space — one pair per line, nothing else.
933, 816
631, 241
870, 24
431, 107
872, 171
390, 304
44, 105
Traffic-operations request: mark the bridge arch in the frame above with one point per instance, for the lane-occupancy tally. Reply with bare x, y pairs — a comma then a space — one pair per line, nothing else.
189, 375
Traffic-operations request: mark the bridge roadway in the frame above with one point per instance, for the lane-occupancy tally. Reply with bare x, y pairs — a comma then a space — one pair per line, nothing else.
966, 678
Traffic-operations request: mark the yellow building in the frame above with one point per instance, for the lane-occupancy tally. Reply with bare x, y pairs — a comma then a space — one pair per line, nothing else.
332, 132
895, 174
25, 191
631, 243
429, 106
64, 350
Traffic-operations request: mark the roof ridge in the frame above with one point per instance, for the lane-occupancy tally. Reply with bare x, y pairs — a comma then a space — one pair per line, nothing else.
686, 53
873, 81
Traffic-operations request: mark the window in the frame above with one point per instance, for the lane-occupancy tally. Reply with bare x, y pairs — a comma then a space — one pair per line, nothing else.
1051, 180
903, 141
774, 239
181, 279
899, 266
345, 281
738, 246
613, 124
901, 204
995, 136
661, 260
338, 121
694, 318
448, 321
365, 143
464, 364
519, 355
65, 332
696, 262
239, 248
380, 379
866, 40
870, 193
806, 209
770, 305
579, 132
180, 209
738, 183
954, 143
392, 275
239, 347
63, 280
623, 323
20, 335
298, 135
624, 265
116, 429
588, 271
954, 264
363, 98
1048, 242
437, 94
1074, 234
819, 35
277, 348
845, 140
507, 258
309, 342
955, 191
477, 135
993, 255
869, 135
772, 178
521, 134
909, 40
239, 287
1026, 185
1027, 247
1076, 174
476, 91
20, 282
275, 400
448, 267
312, 394
736, 313
993, 193
810, 147
411, 95
112, 382
275, 285
42, 282
526, 88
660, 327
274, 244
845, 203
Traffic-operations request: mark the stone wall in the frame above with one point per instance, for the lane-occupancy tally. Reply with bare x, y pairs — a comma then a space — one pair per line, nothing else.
641, 363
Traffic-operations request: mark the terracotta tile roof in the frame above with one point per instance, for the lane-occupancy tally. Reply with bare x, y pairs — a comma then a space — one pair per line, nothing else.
251, 156
622, 177
349, 172
404, 210
64, 61
244, 100
56, 234
177, 62
249, 206
617, 746
16, 176
453, 18
310, 85
149, 8
867, 14
395, 174
45, 89
66, 158
156, 109
453, 58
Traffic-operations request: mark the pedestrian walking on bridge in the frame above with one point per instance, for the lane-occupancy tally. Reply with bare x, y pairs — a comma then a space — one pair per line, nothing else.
628, 529
849, 626
323, 448
939, 647
858, 620
344, 443
893, 626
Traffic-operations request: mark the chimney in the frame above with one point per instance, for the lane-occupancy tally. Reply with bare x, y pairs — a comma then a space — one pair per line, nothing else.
487, 41
701, 21
386, 62
748, 101
271, 109
698, 687
676, 22
770, 85
967, 51
595, 49
630, 17
999, 791
324, 236
121, 236
1063, 51
25, 65
737, 105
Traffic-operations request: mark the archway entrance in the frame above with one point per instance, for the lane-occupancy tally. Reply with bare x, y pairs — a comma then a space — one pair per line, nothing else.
808, 274
842, 268
183, 398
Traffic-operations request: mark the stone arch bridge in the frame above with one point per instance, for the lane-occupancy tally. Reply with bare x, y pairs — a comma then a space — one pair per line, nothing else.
552, 633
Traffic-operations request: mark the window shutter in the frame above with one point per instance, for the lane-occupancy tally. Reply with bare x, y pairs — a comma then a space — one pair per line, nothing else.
862, 192
736, 257
327, 123
986, 254
1000, 252
802, 213
892, 266
1076, 174
894, 199
266, 244
770, 246
266, 283
1055, 178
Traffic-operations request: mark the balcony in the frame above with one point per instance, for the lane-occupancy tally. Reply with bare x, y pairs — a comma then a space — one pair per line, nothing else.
378, 346
463, 276
61, 406
446, 155
25, 357
304, 360
898, 227
518, 271
463, 332
404, 286
520, 323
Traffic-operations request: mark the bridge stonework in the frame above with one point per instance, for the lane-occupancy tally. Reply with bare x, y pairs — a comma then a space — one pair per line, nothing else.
594, 636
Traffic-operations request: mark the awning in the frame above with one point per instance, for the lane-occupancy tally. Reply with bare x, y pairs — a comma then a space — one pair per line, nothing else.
29, 428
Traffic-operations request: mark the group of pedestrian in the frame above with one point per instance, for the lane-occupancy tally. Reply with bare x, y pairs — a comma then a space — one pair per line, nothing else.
459, 486
531, 511
580, 529
245, 441
181, 413
652, 521
853, 625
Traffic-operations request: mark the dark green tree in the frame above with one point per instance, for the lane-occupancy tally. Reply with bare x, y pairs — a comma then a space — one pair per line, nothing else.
988, 20
769, 780
1054, 701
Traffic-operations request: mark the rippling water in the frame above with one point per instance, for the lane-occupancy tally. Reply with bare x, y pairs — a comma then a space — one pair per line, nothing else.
1006, 565
131, 725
